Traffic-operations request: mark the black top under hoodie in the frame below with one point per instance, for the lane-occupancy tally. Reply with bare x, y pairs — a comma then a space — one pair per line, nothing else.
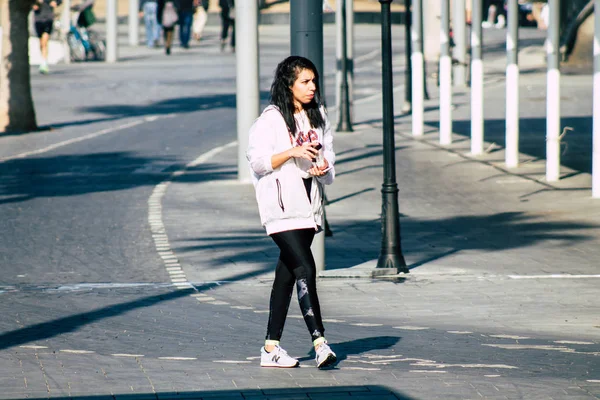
45, 13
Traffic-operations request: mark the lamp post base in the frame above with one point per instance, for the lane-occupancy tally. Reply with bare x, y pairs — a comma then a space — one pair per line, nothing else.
393, 262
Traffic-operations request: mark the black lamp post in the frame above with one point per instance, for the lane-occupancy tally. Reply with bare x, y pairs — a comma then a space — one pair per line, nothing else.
344, 124
391, 252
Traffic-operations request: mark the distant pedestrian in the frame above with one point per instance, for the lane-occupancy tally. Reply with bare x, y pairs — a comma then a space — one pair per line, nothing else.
168, 17
227, 21
200, 18
149, 11
44, 21
290, 152
186, 16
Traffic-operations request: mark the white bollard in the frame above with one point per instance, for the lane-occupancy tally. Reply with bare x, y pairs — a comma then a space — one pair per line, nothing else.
477, 113
134, 23
512, 86
247, 78
553, 95
65, 27
417, 61
111, 31
596, 107
445, 77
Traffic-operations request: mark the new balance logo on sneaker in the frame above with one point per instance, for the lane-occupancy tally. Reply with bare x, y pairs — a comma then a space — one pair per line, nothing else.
277, 358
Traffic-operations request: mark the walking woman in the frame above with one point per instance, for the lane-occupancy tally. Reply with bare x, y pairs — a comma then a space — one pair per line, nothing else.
168, 15
290, 152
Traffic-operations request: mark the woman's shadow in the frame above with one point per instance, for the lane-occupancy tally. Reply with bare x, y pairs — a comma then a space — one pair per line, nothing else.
358, 346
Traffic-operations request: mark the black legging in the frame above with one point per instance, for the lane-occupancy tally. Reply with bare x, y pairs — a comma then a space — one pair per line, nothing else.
295, 265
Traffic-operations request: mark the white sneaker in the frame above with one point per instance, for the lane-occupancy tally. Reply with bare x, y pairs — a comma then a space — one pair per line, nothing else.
501, 22
278, 358
325, 356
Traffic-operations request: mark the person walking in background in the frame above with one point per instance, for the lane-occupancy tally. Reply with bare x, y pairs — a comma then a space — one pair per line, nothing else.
200, 18
290, 153
186, 16
149, 10
44, 21
227, 21
167, 16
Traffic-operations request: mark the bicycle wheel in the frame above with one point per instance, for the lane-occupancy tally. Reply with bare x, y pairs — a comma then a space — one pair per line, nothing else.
76, 49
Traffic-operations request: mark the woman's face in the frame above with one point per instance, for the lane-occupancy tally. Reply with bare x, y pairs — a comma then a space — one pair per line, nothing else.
304, 88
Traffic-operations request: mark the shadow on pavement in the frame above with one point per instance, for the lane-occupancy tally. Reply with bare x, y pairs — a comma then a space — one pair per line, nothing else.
576, 146
69, 175
355, 242
177, 105
316, 392
357, 346
73, 322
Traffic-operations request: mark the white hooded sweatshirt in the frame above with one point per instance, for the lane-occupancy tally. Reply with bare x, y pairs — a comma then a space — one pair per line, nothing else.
281, 195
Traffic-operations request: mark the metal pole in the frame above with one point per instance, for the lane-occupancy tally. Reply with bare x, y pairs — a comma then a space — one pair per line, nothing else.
445, 76
391, 252
512, 86
306, 33
418, 72
65, 27
247, 79
553, 94
477, 119
407, 106
111, 31
596, 107
344, 124
460, 43
134, 23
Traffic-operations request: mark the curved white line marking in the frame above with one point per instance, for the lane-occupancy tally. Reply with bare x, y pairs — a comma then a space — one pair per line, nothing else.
157, 227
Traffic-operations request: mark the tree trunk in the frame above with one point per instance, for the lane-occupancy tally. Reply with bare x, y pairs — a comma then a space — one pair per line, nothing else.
17, 113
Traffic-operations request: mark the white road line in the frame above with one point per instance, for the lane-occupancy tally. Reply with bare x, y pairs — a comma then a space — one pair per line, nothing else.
178, 358
553, 276
127, 355
77, 351
34, 347
74, 140
157, 227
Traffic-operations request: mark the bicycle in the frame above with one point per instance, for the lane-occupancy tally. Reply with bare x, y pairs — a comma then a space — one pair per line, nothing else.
84, 43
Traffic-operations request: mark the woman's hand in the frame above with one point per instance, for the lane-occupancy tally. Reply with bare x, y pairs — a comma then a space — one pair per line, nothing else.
319, 171
306, 151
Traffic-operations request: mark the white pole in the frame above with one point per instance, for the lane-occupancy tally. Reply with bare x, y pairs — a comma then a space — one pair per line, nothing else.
416, 60
247, 78
111, 31
596, 116
553, 95
459, 25
134, 23
512, 86
445, 77
338, 54
477, 118
65, 27
350, 52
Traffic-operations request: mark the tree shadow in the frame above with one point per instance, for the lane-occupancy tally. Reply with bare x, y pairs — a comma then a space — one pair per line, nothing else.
73, 322
357, 241
576, 145
69, 175
177, 105
291, 393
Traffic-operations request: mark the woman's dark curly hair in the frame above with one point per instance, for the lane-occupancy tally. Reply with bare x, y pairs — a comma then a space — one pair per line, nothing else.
286, 74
